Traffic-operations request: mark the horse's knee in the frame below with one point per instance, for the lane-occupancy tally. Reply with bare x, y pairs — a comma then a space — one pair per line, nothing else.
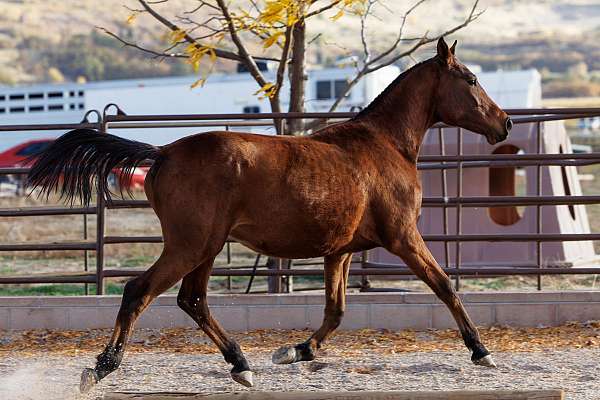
334, 317
444, 289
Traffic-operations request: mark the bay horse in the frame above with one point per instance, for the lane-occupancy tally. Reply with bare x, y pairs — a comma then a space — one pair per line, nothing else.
347, 188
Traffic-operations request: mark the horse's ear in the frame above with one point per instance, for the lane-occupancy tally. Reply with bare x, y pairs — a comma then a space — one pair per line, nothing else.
443, 51
453, 48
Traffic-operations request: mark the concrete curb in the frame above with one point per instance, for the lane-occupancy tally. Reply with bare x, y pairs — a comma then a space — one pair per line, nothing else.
299, 311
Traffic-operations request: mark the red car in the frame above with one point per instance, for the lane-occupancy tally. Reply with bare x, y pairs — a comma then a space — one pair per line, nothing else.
15, 157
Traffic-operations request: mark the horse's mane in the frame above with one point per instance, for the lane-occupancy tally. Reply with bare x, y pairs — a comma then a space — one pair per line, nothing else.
379, 99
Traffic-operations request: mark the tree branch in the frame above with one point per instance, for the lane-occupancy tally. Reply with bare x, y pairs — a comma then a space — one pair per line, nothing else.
244, 56
373, 64
363, 30
322, 9
145, 50
250, 64
426, 40
280, 75
219, 52
400, 31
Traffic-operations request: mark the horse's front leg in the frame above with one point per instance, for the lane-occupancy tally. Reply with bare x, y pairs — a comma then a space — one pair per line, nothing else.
336, 279
413, 250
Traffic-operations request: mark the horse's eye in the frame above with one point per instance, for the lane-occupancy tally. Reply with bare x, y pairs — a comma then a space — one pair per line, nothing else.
472, 82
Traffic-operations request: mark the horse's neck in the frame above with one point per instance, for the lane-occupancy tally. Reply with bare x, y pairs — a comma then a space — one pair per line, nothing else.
406, 112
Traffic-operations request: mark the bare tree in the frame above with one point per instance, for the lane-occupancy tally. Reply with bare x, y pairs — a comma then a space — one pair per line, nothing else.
214, 29
371, 62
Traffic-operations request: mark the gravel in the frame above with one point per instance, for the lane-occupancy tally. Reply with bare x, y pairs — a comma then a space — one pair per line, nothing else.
49, 377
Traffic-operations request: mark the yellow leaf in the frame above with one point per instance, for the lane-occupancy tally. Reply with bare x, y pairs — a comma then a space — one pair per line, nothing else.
269, 90
338, 15
271, 40
131, 18
199, 82
177, 35
265, 87
191, 48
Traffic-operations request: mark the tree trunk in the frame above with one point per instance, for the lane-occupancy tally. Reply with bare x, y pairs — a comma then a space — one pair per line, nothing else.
276, 108
297, 77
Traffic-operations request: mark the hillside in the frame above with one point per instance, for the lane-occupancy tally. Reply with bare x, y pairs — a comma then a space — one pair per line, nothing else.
55, 40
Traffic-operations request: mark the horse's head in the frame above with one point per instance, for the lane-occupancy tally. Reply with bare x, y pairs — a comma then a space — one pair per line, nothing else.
462, 102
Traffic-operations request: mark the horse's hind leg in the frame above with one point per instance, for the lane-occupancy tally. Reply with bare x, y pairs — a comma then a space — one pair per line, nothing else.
336, 279
137, 296
192, 300
413, 250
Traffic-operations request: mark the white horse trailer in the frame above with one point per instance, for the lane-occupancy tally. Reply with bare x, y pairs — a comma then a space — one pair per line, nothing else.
222, 94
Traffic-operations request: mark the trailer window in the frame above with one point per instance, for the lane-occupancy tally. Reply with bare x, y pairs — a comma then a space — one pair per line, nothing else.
507, 181
251, 110
323, 90
565, 181
340, 87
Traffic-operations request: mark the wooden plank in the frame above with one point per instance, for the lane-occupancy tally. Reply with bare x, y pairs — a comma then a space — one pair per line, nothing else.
402, 395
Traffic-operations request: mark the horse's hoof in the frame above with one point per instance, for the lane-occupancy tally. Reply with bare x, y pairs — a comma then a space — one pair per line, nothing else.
486, 361
88, 379
285, 355
244, 377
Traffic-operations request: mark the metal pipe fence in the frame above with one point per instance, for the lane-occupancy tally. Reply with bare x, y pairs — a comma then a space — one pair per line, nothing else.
442, 162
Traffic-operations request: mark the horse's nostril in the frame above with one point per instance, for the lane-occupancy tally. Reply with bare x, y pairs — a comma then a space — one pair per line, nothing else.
508, 124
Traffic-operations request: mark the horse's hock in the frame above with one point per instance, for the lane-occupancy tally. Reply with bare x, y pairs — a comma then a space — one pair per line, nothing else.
420, 395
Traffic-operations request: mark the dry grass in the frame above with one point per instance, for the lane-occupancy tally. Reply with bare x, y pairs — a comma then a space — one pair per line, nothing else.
343, 343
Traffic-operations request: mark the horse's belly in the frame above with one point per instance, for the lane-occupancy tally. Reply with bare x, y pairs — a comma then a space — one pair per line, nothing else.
287, 239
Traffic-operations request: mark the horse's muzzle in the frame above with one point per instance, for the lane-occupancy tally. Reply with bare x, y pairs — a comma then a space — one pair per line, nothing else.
508, 125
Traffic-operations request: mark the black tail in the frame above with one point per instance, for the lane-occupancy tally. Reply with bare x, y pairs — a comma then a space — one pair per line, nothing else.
70, 164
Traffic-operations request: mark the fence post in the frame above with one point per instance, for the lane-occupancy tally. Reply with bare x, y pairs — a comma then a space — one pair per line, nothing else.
85, 253
538, 208
100, 243
100, 219
274, 282
459, 189
365, 284
444, 175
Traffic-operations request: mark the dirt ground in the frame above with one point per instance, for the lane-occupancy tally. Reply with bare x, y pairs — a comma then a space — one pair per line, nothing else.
46, 364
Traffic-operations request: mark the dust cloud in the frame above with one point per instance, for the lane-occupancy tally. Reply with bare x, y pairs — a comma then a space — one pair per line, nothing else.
39, 381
